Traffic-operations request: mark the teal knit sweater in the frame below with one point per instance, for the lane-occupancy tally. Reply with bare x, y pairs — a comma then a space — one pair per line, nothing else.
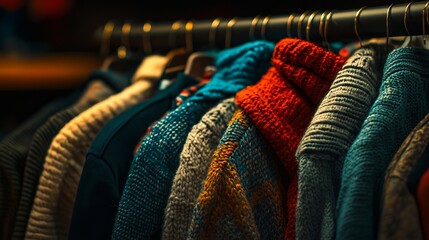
402, 102
141, 209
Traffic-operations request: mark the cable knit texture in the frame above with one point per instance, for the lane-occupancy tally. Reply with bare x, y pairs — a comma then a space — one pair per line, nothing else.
281, 105
141, 209
53, 205
244, 196
96, 91
399, 217
402, 102
194, 163
324, 145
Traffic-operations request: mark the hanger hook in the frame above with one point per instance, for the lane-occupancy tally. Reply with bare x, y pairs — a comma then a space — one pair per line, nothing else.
125, 40
289, 24
321, 22
301, 19
307, 28
106, 38
147, 45
212, 32
264, 27
424, 18
175, 26
387, 24
328, 18
189, 27
355, 23
407, 12
255, 21
228, 32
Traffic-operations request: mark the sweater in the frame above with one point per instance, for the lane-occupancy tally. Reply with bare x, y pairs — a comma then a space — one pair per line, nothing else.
399, 217
140, 214
416, 174
332, 130
282, 104
402, 102
33, 143
53, 205
422, 199
195, 160
13, 152
244, 195
96, 92
108, 161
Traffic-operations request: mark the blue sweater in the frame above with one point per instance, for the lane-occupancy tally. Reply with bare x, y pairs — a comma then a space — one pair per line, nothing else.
402, 102
141, 208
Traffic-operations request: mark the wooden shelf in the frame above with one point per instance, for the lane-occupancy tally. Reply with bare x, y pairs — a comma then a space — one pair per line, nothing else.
47, 71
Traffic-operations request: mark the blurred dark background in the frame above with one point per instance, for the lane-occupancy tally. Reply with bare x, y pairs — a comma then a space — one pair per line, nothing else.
69, 25
47, 46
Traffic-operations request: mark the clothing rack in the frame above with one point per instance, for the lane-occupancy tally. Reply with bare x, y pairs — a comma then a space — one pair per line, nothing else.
340, 26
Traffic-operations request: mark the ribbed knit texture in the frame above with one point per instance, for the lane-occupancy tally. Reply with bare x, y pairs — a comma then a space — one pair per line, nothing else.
40, 143
282, 104
146, 192
423, 199
194, 163
108, 162
324, 145
399, 217
402, 102
13, 152
52, 209
244, 195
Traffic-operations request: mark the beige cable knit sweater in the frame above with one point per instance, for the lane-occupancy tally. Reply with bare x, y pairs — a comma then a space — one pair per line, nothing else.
195, 161
53, 206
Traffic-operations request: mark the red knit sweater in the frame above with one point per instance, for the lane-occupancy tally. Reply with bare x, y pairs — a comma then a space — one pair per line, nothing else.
282, 104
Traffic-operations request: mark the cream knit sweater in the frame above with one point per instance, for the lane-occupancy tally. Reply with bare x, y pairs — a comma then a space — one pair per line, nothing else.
53, 205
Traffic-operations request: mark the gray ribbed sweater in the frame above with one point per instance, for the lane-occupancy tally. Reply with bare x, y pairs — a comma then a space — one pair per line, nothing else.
195, 161
322, 150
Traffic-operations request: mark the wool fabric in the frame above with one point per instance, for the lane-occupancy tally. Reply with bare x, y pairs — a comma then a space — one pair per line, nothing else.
423, 199
13, 152
243, 196
52, 209
282, 104
332, 130
195, 160
96, 92
181, 98
108, 161
399, 217
416, 174
141, 209
402, 102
